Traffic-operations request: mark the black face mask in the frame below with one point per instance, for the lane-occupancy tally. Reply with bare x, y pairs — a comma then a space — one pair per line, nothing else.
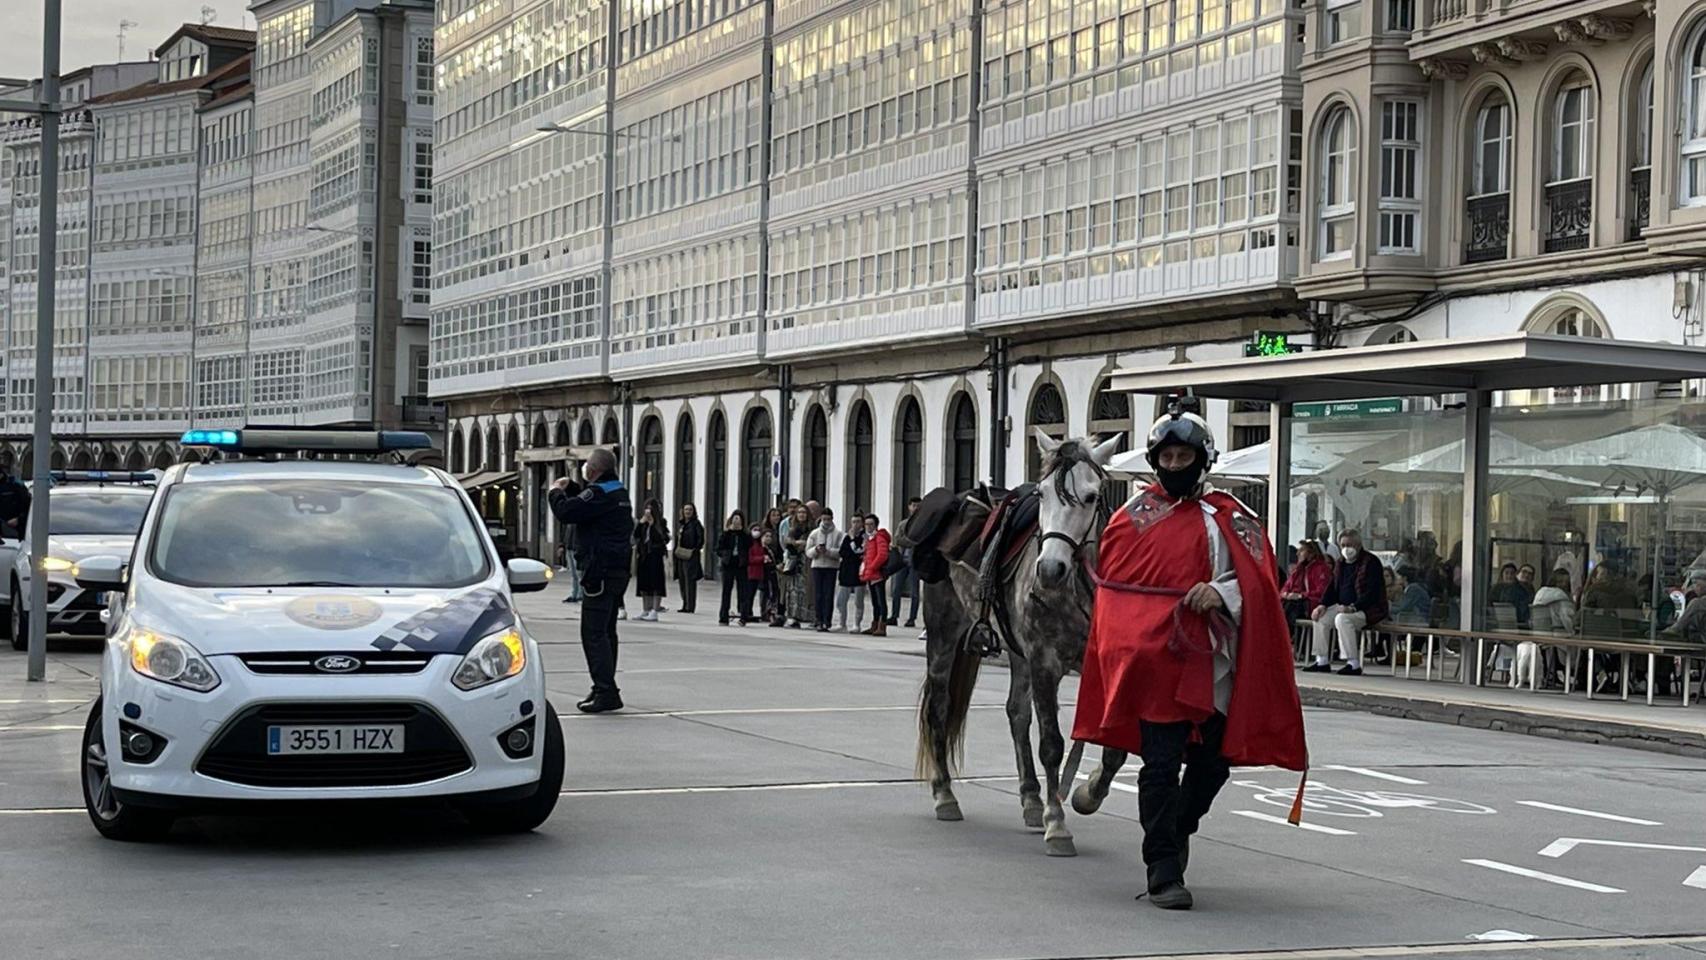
1180, 484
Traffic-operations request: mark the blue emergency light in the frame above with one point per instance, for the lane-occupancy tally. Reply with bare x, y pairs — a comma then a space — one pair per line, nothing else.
292, 440
102, 476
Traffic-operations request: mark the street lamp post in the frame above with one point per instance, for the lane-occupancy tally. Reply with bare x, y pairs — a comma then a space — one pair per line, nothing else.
47, 109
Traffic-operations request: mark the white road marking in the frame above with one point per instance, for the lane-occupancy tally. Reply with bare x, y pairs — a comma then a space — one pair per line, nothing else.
1311, 827
1563, 845
1541, 947
765, 787
1503, 936
1377, 774
40, 727
1548, 877
1696, 879
1590, 813
38, 811
34, 702
743, 711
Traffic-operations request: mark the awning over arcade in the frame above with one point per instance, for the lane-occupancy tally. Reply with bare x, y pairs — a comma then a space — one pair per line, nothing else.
486, 478
1517, 361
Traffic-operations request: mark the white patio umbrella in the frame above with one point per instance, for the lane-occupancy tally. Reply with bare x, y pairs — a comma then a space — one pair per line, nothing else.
1246, 464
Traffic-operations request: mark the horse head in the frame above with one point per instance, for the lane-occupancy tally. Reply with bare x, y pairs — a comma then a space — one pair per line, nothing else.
1070, 515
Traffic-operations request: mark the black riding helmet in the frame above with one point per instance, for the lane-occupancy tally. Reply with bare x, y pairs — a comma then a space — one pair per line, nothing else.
1184, 429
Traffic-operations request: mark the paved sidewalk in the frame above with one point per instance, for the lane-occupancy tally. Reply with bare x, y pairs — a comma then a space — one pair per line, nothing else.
1665, 726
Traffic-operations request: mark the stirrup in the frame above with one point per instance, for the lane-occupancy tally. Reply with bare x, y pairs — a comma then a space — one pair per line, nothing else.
982, 640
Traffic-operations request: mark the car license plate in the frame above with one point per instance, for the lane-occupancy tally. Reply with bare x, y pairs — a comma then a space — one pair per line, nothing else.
283, 741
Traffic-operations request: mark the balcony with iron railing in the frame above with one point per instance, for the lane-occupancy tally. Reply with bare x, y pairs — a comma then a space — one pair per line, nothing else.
421, 411
1489, 230
1640, 201
1569, 215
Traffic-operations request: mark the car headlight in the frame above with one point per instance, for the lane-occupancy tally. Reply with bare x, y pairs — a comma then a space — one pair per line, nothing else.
170, 660
503, 654
57, 564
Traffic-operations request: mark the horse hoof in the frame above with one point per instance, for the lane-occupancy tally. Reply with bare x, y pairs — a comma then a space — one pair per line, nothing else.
1034, 817
1060, 847
1083, 802
949, 811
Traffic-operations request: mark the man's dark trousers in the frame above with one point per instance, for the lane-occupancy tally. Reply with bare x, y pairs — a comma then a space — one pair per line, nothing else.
823, 583
1171, 811
598, 635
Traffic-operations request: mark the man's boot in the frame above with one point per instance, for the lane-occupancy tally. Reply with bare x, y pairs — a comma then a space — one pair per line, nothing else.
880, 628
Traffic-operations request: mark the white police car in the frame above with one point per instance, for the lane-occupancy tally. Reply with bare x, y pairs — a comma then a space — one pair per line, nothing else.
91, 513
296, 629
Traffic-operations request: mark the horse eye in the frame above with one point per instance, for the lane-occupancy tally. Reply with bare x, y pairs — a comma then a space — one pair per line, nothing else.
1090, 498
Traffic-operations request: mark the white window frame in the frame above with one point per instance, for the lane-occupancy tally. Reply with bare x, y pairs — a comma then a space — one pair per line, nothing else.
1585, 138
1343, 15
1477, 161
1691, 125
1396, 207
1400, 16
1641, 151
1340, 119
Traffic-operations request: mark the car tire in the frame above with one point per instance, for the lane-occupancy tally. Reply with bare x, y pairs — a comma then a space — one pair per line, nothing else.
522, 816
18, 621
114, 820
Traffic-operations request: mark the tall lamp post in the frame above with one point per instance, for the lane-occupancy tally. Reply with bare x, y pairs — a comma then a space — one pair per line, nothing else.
47, 108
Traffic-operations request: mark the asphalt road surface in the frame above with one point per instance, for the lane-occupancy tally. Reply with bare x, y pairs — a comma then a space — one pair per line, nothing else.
755, 801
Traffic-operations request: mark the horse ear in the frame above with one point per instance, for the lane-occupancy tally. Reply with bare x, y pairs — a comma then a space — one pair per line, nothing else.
1104, 451
1045, 442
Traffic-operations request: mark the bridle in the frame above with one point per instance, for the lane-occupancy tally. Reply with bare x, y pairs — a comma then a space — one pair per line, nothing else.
1092, 535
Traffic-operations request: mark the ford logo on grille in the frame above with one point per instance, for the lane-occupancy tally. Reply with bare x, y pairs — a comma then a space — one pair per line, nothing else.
337, 664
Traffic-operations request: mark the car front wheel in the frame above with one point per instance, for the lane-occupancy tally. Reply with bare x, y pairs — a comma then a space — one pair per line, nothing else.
520, 816
115, 820
18, 621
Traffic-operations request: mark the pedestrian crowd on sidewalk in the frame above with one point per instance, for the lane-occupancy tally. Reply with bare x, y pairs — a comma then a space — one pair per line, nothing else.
797, 567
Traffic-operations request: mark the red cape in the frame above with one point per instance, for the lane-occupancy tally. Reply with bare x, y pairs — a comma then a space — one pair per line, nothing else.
1131, 671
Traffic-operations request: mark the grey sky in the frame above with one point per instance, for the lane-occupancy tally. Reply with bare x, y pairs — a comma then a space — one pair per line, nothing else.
90, 31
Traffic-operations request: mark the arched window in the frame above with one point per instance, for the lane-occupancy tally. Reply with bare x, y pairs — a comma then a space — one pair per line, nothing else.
1338, 186
162, 457
684, 462
560, 436
1110, 416
716, 473
1641, 154
861, 433
81, 460
1569, 183
512, 447
755, 464
909, 456
1565, 316
817, 454
109, 460
651, 461
54, 462
1394, 333
493, 459
1048, 411
456, 452
962, 444
583, 434
539, 435
1489, 205
1692, 189
612, 433
476, 450
135, 461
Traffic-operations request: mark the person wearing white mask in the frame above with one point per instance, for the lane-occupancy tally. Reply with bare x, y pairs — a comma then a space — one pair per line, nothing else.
1355, 599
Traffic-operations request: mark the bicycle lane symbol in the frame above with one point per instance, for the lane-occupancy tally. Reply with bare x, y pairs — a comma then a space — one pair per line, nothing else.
1327, 800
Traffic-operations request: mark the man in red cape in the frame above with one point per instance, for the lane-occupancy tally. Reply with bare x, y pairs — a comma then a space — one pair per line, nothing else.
1189, 661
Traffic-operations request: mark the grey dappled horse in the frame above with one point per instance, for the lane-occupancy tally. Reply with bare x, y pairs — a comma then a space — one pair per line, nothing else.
1046, 595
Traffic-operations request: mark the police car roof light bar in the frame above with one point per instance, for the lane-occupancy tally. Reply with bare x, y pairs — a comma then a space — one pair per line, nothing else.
288, 440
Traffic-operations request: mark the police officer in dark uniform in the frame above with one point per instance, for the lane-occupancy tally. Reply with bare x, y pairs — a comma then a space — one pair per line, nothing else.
603, 518
14, 503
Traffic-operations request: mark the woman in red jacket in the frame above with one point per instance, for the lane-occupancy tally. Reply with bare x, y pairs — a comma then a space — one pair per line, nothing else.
1307, 583
871, 574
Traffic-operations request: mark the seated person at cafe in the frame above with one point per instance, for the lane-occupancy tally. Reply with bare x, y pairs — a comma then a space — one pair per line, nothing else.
1552, 610
1355, 599
1511, 590
1414, 604
1691, 626
1307, 583
1609, 590
1664, 611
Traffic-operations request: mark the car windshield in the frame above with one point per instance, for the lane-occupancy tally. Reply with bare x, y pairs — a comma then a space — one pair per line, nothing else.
95, 513
316, 533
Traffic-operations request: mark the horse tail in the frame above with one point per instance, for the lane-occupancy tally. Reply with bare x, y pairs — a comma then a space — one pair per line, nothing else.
962, 681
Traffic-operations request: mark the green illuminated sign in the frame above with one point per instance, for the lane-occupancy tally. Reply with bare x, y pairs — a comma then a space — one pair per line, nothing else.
1270, 343
1347, 408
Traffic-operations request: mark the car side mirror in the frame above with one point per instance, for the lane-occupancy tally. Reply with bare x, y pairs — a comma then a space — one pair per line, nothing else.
100, 573
527, 576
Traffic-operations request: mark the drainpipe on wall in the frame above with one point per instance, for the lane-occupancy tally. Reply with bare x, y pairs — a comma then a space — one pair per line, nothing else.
998, 411
785, 420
